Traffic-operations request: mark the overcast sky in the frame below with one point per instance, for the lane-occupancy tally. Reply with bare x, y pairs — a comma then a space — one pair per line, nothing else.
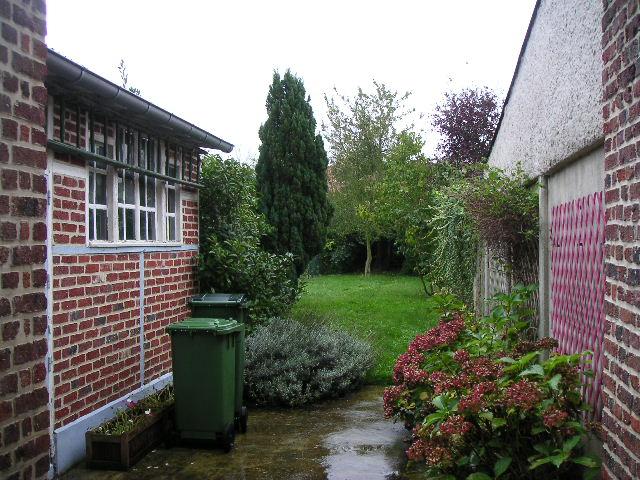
211, 62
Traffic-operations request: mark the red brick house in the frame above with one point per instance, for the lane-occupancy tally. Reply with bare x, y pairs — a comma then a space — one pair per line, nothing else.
99, 229
123, 185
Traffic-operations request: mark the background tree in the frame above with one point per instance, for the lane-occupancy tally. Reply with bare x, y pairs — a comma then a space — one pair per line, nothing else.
466, 121
362, 131
406, 198
292, 173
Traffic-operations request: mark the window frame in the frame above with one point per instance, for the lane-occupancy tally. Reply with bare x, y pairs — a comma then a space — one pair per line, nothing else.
159, 212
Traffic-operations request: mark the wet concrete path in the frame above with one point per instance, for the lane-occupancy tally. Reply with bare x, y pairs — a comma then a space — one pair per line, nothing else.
344, 439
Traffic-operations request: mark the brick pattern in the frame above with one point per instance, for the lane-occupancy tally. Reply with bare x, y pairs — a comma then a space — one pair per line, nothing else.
96, 324
69, 210
24, 414
71, 130
170, 279
95, 330
190, 222
621, 117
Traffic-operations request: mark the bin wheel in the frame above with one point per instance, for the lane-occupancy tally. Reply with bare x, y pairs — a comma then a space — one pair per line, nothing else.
244, 417
229, 439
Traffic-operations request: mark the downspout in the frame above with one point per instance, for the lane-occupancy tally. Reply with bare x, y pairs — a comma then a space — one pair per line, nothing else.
49, 294
141, 338
543, 258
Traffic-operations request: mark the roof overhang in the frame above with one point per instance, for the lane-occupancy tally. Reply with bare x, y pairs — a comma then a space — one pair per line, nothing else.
67, 79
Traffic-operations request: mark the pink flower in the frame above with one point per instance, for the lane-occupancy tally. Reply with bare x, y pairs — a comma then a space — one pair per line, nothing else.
390, 398
431, 453
482, 367
461, 356
455, 425
475, 400
554, 417
523, 394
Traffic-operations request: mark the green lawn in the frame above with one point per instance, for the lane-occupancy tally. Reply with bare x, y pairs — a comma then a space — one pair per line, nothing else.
386, 310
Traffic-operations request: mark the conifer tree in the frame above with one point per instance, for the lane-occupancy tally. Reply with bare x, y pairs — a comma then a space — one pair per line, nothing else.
292, 173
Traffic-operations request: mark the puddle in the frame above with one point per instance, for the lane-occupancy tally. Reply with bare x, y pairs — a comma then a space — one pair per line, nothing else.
344, 439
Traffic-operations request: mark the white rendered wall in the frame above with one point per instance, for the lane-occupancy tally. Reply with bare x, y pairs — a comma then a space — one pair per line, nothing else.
554, 110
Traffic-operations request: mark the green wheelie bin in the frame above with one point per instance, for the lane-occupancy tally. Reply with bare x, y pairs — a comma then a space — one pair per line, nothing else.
220, 305
204, 378
233, 306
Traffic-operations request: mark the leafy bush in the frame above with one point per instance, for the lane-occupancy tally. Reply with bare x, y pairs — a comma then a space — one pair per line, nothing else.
231, 230
292, 364
452, 264
483, 404
505, 215
241, 265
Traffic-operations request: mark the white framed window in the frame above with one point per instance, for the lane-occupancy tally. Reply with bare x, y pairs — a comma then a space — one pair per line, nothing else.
147, 191
129, 207
171, 230
98, 206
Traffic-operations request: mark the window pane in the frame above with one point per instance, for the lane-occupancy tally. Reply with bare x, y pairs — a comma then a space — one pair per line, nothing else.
101, 225
120, 188
151, 192
91, 236
143, 197
91, 187
129, 188
151, 157
130, 224
121, 223
151, 225
101, 189
143, 225
142, 152
172, 228
171, 200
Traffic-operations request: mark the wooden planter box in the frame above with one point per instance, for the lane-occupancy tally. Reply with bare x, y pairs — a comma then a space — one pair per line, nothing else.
121, 452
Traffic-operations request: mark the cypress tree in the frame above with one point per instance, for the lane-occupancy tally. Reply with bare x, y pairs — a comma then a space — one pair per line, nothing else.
292, 173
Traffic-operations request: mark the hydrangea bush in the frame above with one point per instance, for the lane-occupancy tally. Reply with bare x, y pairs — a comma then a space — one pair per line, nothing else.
482, 403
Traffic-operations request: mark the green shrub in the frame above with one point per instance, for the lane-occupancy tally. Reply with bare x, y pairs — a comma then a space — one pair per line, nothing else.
452, 264
504, 211
232, 258
291, 364
482, 403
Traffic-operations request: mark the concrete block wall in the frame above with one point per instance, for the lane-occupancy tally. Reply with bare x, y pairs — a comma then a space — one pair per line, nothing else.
24, 397
621, 120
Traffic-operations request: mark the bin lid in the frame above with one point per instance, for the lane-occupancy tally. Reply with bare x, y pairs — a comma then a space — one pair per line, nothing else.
215, 326
220, 299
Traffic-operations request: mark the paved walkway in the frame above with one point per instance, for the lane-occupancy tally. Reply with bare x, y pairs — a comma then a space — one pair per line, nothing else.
345, 439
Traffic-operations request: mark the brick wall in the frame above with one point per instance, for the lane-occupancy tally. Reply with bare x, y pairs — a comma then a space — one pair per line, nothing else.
621, 116
190, 222
170, 279
95, 331
68, 210
96, 324
24, 414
